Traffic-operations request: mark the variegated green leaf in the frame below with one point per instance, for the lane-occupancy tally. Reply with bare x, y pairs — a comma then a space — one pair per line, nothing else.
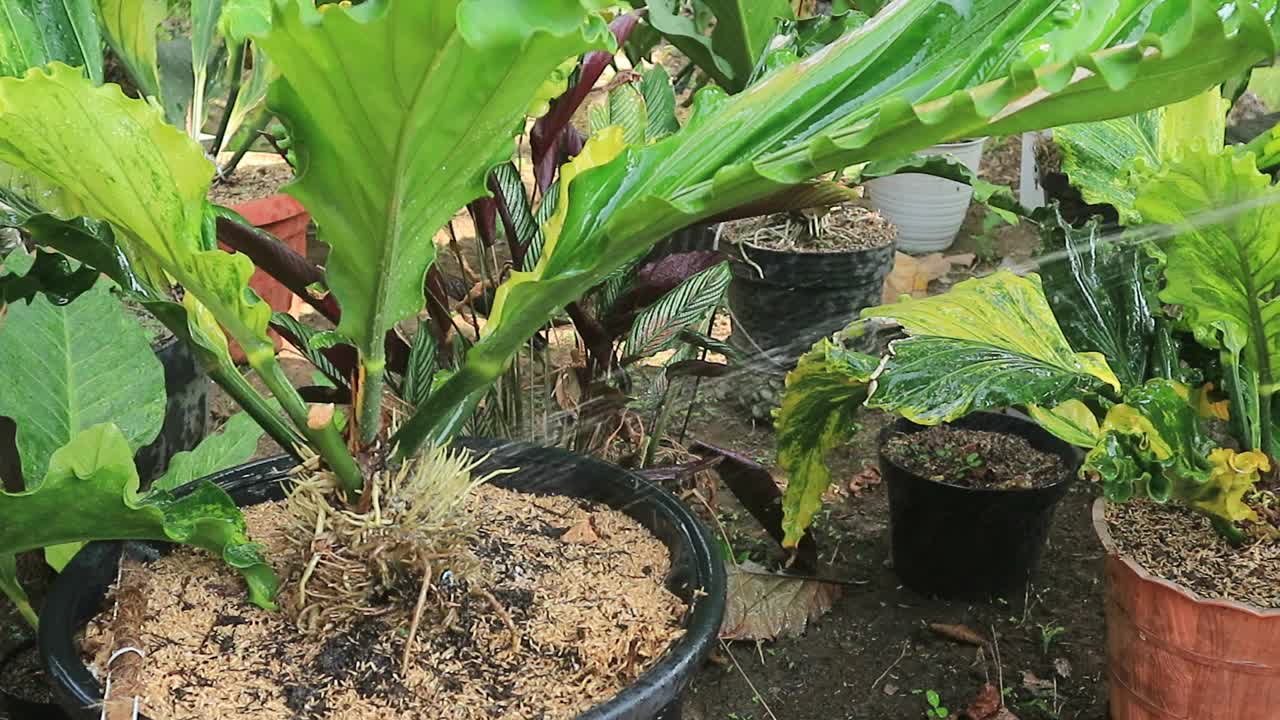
1072, 421
990, 342
687, 306
233, 444
421, 371
823, 396
627, 111
659, 102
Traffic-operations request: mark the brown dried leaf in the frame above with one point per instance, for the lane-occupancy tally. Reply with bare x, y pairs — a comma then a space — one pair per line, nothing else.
766, 606
583, 533
986, 704
1062, 666
959, 633
568, 391
868, 478
1038, 687
912, 275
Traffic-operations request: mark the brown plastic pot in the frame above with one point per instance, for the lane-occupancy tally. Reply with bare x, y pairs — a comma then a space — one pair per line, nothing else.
285, 218
1172, 655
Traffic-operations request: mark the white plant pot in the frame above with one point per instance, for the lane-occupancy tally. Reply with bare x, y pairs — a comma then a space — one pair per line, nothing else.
927, 210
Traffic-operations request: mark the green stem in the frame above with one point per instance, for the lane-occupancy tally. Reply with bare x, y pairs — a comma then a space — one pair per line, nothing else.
324, 438
12, 589
233, 94
195, 118
372, 385
250, 129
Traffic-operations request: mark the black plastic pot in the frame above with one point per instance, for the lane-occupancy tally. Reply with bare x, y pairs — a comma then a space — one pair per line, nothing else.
15, 707
959, 542
186, 413
783, 302
697, 572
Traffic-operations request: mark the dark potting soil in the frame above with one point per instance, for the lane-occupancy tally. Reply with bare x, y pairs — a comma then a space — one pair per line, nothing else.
840, 229
975, 459
24, 678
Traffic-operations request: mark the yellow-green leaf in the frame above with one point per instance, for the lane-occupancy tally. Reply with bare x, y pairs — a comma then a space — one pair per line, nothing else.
1072, 421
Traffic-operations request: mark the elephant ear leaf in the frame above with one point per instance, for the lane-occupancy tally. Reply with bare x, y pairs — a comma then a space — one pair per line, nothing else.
1224, 274
232, 445
441, 117
822, 399
989, 342
91, 493
69, 366
130, 27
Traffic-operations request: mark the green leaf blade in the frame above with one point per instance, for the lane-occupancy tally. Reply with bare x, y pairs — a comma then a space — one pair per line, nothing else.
38, 32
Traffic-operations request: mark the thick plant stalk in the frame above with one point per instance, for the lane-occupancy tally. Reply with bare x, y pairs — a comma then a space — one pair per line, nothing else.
252, 402
373, 371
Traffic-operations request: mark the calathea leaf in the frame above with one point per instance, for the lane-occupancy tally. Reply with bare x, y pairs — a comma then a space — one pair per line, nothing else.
989, 342
1223, 273
73, 365
420, 374
369, 143
91, 493
818, 413
659, 102
38, 32
687, 306
983, 72
1101, 291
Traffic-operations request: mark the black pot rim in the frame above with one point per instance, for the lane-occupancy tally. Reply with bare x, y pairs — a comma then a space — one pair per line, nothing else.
819, 254
905, 426
76, 686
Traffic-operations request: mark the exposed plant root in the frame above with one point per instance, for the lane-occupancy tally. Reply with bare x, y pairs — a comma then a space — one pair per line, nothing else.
502, 613
372, 560
417, 619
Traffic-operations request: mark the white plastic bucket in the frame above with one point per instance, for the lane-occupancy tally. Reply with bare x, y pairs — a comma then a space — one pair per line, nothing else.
927, 210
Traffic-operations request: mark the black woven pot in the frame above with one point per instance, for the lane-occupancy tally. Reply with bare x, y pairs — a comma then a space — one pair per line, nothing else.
783, 302
958, 542
697, 571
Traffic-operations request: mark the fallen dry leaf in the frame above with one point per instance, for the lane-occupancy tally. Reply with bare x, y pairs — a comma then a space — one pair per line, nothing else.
912, 275
1038, 687
869, 477
889, 689
959, 633
583, 533
766, 606
985, 705
1062, 666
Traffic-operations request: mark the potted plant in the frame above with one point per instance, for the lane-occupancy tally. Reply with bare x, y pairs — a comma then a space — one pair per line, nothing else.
928, 210
1148, 350
362, 181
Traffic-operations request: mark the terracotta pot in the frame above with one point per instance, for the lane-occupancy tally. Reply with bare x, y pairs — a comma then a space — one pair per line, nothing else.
1172, 655
285, 218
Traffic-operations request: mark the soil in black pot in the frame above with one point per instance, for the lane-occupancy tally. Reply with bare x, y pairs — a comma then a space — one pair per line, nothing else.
975, 459
559, 605
840, 229
23, 678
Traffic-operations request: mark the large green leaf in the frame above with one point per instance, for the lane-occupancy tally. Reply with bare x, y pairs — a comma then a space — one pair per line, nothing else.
392, 143
1100, 157
989, 342
205, 15
91, 493
75, 365
922, 73
38, 32
1224, 269
1101, 291
234, 443
123, 164
737, 44
823, 396
130, 27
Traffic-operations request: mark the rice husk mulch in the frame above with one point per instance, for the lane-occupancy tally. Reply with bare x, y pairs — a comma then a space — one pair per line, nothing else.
1180, 545
579, 590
